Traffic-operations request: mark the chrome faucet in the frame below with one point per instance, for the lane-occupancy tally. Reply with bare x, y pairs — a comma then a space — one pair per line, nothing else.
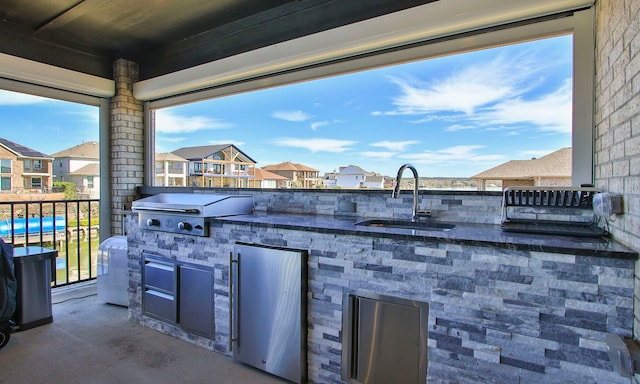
416, 214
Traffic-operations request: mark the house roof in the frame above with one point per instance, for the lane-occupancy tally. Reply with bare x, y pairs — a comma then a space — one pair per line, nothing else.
88, 150
22, 151
204, 151
88, 170
354, 170
374, 179
168, 156
262, 174
288, 166
555, 164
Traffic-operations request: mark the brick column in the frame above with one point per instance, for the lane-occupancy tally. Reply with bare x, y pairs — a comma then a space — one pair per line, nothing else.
617, 141
127, 142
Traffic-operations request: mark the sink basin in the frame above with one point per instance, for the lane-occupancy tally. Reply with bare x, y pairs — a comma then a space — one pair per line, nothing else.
406, 224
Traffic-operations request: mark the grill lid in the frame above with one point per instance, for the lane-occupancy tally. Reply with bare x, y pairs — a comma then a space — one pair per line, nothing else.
196, 204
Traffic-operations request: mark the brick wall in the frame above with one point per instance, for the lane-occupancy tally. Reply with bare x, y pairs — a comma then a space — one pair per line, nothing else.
127, 143
617, 135
17, 168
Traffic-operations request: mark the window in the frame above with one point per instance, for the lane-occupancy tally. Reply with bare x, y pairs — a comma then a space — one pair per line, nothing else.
175, 167
451, 117
495, 108
5, 184
37, 164
89, 181
5, 166
36, 182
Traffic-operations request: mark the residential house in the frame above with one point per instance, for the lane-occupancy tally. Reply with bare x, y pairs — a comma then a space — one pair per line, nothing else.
552, 170
353, 176
217, 166
170, 170
266, 179
23, 170
330, 179
80, 165
299, 175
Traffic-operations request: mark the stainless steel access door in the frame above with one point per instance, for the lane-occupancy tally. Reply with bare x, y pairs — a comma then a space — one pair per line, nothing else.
268, 317
384, 339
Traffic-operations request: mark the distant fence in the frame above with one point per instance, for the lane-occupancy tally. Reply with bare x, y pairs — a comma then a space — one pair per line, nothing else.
69, 226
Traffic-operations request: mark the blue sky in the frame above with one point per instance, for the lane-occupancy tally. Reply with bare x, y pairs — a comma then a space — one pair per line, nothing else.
449, 116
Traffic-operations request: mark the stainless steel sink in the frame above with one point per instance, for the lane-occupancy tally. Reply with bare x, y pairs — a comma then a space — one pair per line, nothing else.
406, 224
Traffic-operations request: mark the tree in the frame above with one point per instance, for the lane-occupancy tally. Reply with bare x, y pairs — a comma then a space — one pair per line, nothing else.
69, 189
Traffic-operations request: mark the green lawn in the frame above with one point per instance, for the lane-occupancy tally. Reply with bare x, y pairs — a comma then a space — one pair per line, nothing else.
77, 266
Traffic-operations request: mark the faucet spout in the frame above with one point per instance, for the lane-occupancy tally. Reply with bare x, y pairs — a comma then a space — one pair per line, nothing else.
396, 189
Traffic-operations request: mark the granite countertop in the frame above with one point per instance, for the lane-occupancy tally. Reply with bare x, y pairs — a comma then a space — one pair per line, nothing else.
463, 233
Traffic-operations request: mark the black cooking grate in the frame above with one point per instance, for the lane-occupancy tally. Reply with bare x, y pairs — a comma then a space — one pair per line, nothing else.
546, 197
550, 210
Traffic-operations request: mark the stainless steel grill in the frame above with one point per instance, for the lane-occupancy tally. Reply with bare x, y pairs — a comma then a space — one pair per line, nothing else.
188, 213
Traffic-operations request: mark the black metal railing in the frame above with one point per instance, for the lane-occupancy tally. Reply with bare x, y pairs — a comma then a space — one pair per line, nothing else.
69, 226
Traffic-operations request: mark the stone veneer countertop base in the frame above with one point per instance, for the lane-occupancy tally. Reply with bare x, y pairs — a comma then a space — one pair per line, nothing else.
463, 233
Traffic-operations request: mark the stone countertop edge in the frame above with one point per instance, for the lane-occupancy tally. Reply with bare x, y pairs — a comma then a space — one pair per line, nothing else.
464, 233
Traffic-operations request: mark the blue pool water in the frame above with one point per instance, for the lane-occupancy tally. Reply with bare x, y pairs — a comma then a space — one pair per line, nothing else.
20, 226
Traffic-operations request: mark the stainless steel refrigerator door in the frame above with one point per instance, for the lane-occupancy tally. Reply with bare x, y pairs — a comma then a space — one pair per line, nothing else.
269, 312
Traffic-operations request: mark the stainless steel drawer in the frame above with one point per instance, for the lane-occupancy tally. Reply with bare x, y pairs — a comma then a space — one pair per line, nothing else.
160, 305
161, 276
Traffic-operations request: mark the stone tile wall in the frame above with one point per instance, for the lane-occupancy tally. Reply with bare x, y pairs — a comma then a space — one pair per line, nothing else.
496, 315
457, 206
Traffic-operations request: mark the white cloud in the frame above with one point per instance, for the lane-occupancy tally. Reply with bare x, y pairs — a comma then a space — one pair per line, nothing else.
378, 155
230, 141
15, 98
173, 139
456, 155
91, 114
294, 116
316, 145
458, 127
397, 146
169, 122
476, 85
318, 124
529, 154
550, 112
486, 94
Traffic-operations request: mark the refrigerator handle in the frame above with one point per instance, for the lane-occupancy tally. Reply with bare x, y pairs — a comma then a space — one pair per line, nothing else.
232, 339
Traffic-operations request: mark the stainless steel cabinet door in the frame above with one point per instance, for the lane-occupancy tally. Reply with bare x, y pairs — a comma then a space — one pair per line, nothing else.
384, 339
269, 315
388, 346
196, 300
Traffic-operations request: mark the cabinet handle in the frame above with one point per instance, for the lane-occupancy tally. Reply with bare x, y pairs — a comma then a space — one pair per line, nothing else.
231, 338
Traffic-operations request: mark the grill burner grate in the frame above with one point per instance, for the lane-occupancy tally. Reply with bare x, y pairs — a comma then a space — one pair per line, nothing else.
549, 210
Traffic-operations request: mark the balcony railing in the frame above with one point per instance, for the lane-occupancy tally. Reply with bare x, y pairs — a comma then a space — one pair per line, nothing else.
69, 226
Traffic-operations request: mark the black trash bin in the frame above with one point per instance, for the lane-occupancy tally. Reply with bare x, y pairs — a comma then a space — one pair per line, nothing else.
34, 271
